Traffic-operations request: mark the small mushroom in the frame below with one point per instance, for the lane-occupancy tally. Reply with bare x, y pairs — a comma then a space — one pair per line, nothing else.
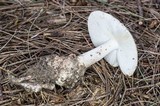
112, 40
103, 28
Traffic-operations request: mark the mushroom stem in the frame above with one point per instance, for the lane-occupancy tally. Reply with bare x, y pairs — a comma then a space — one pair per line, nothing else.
98, 53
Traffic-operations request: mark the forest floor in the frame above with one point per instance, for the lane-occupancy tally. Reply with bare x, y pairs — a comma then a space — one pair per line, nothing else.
30, 29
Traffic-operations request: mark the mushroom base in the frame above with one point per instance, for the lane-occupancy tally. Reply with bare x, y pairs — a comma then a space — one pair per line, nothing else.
50, 70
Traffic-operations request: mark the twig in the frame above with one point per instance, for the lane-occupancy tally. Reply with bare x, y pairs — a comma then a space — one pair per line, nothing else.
1, 94
140, 11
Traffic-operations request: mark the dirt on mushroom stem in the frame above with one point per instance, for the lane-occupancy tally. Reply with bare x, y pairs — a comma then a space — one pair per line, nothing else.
61, 70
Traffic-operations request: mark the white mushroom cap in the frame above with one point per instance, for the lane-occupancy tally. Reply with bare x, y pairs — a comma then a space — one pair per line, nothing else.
104, 27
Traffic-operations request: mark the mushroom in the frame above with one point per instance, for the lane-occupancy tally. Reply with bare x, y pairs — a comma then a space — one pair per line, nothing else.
103, 28
112, 40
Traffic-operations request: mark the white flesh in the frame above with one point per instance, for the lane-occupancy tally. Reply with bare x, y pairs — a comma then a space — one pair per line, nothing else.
98, 53
103, 26
100, 31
